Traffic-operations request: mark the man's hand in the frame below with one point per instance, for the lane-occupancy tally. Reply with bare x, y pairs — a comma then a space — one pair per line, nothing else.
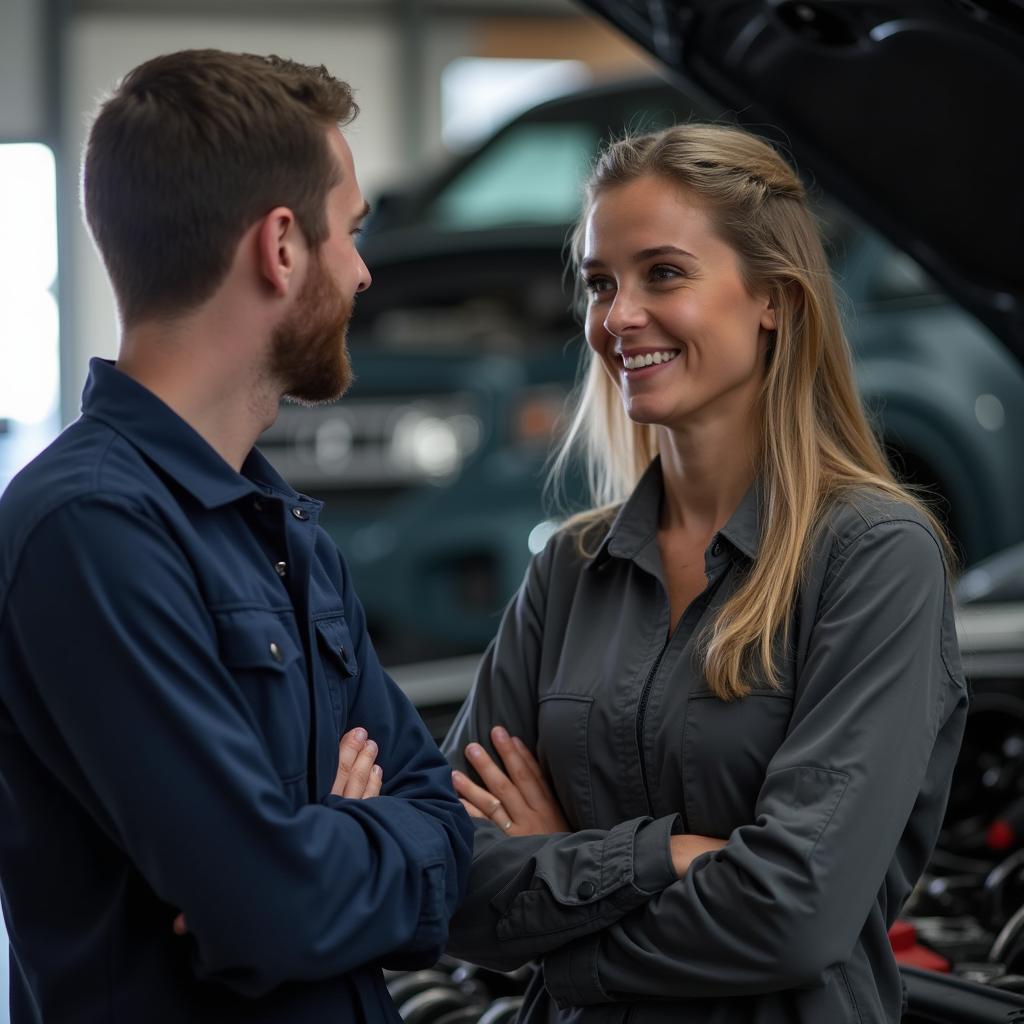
358, 778
519, 802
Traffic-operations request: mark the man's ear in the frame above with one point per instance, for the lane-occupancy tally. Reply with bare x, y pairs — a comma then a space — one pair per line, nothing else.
279, 245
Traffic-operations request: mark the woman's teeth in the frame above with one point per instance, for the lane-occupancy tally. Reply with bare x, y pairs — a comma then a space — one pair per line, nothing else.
649, 359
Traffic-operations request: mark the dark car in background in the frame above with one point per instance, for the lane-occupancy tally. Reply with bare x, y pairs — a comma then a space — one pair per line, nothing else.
466, 347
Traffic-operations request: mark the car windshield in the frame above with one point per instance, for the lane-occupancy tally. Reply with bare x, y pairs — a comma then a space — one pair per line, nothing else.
530, 174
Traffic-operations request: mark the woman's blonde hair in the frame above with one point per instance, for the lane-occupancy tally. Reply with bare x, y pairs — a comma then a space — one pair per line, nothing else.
817, 441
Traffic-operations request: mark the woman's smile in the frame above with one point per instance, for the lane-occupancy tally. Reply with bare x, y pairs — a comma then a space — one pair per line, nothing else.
642, 362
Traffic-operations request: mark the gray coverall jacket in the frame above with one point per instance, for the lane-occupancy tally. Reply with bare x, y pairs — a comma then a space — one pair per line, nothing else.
830, 789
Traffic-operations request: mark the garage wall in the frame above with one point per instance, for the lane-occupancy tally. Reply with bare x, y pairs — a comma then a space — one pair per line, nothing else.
22, 84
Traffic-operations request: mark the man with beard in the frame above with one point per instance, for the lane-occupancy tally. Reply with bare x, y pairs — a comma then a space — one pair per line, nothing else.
216, 806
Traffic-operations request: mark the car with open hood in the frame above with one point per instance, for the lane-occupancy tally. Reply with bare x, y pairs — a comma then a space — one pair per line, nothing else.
903, 112
433, 464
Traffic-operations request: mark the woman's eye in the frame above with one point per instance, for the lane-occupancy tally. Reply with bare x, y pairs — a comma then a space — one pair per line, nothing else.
596, 285
664, 273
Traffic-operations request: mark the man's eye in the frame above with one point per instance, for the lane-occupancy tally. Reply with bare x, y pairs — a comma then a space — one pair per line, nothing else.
357, 232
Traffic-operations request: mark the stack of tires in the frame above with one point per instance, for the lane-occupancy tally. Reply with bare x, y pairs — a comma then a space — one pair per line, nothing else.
453, 992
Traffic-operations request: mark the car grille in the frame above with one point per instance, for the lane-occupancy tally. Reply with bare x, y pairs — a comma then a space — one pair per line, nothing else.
374, 443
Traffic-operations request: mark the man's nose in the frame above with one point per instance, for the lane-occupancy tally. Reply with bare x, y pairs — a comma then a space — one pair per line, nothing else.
365, 280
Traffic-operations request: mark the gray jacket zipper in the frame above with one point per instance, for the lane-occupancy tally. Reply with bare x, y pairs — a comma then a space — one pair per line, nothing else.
694, 610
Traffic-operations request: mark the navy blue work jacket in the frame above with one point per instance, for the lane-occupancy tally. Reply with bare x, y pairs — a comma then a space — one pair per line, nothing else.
180, 651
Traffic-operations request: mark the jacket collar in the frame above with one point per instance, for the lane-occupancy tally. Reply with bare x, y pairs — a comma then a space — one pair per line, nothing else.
164, 438
743, 530
636, 524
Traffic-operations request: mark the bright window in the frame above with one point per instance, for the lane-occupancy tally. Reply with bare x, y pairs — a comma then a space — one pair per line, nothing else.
29, 366
29, 358
479, 94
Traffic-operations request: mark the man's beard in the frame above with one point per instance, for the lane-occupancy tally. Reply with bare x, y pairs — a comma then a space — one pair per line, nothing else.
308, 352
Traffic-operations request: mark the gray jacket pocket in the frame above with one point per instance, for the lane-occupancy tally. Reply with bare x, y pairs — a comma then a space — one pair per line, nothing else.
562, 742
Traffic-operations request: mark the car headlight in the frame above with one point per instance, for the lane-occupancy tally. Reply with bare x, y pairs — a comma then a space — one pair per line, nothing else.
433, 445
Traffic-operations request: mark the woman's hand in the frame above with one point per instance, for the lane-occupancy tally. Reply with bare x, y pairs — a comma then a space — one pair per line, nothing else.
686, 848
520, 802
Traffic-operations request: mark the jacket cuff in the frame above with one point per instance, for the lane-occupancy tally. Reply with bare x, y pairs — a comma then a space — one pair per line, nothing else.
571, 975
594, 886
652, 855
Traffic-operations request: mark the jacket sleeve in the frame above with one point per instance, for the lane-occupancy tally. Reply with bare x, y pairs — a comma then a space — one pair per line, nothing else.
880, 699
417, 807
160, 746
531, 894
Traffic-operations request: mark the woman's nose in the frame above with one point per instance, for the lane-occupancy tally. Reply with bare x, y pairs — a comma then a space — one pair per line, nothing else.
625, 313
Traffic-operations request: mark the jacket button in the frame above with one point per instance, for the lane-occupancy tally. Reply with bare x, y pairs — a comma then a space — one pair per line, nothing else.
300, 513
281, 568
275, 652
716, 549
586, 890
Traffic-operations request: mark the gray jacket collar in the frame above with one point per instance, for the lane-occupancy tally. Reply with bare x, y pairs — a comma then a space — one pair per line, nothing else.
636, 524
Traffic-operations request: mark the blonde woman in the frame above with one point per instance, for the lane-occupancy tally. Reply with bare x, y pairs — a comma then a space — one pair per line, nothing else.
709, 750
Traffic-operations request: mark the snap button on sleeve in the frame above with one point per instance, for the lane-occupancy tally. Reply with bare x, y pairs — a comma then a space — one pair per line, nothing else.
586, 890
300, 513
281, 568
716, 549
276, 653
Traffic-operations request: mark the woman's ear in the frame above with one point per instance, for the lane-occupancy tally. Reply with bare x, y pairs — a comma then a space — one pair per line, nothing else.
769, 319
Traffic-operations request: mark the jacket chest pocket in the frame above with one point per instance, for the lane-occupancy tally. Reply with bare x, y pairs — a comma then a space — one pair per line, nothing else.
267, 665
726, 748
563, 724
338, 659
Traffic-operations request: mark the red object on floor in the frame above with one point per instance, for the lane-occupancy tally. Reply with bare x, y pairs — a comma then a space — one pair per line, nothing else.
1000, 835
1007, 829
903, 936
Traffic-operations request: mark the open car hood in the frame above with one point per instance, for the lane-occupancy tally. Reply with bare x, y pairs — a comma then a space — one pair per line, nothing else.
909, 111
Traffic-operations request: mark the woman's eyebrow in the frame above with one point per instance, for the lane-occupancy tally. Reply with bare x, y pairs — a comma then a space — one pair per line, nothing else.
661, 250
638, 257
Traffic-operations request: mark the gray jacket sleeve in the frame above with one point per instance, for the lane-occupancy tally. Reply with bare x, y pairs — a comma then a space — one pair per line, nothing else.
880, 698
531, 894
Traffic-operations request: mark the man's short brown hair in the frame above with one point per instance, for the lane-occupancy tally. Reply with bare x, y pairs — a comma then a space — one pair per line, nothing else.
192, 149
